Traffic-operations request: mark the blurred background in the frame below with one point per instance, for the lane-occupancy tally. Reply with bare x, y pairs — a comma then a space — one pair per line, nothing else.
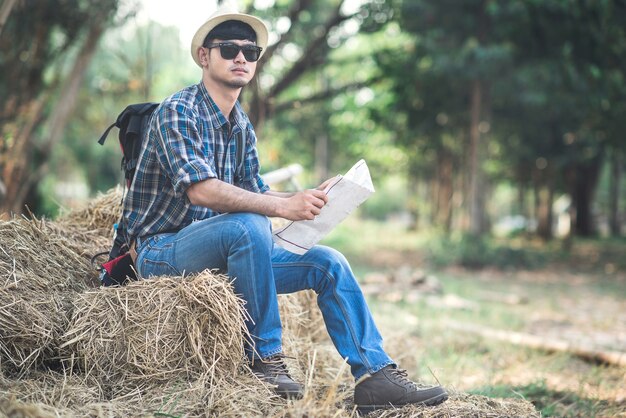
480, 116
492, 252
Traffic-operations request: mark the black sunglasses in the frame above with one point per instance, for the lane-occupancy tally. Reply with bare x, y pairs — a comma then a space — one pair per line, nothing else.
229, 51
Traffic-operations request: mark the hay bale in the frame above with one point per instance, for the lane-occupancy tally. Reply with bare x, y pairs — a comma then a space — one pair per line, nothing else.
31, 325
157, 330
38, 276
33, 257
306, 341
301, 317
90, 228
98, 214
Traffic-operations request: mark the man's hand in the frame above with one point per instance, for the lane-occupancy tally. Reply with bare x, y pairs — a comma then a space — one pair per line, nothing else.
304, 205
324, 185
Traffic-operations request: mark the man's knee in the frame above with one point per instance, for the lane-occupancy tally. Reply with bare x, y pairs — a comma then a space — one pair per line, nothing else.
334, 268
253, 226
329, 257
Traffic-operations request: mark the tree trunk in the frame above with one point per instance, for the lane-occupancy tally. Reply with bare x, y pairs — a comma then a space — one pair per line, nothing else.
17, 155
578, 349
444, 189
545, 217
413, 206
5, 11
22, 181
321, 157
476, 202
615, 223
586, 181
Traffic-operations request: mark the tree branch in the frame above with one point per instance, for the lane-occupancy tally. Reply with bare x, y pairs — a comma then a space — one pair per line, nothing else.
5, 11
65, 105
323, 95
293, 14
310, 57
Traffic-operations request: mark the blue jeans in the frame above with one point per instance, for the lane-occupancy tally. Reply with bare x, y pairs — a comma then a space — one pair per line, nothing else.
240, 244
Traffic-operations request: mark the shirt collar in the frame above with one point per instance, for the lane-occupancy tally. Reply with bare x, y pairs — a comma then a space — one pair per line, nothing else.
219, 120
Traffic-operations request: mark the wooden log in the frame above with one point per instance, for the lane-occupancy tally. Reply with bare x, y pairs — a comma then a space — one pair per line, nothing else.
542, 343
280, 175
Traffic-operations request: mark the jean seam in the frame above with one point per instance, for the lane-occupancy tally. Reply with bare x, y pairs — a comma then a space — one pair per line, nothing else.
374, 369
271, 352
347, 317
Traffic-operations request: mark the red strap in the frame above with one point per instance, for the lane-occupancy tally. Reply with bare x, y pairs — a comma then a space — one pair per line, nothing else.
109, 265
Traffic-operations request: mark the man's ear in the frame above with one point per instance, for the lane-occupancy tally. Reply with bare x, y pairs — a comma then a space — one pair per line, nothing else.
203, 54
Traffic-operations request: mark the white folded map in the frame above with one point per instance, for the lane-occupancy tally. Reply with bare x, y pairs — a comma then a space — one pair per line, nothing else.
345, 194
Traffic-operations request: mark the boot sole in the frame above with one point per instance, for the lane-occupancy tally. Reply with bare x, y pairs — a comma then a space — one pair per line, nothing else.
295, 395
435, 400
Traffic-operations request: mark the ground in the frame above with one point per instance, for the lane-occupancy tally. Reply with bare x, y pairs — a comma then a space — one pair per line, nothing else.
433, 321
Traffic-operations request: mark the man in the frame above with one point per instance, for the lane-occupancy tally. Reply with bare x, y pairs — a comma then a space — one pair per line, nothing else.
198, 202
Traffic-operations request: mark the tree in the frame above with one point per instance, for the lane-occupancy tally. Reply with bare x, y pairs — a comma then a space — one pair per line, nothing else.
37, 41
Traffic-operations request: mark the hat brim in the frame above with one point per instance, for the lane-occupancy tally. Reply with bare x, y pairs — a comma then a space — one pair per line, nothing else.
255, 23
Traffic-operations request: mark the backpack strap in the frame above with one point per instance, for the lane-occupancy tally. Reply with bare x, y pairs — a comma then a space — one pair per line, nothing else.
240, 154
106, 133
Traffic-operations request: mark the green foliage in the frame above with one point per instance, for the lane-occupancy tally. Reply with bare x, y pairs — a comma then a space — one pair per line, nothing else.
479, 252
388, 200
390, 83
132, 65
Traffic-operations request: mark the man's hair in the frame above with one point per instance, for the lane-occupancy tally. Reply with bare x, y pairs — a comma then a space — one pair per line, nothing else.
231, 29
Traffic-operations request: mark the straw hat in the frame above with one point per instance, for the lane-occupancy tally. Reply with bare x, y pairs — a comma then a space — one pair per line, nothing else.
222, 16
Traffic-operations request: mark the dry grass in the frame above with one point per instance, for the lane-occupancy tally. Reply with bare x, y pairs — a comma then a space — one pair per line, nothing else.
90, 228
164, 347
157, 330
98, 214
33, 256
39, 274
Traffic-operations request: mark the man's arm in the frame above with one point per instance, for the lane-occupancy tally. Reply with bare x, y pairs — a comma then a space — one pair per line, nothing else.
283, 195
290, 194
223, 197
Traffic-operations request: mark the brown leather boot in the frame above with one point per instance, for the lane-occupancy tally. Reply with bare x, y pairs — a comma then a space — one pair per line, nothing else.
273, 371
390, 387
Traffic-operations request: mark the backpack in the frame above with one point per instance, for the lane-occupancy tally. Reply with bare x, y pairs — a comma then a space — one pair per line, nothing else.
132, 123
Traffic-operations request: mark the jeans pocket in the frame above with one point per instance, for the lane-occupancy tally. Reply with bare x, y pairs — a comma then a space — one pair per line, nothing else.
157, 258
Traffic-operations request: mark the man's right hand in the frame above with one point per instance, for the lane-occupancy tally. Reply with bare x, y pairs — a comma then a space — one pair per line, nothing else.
304, 205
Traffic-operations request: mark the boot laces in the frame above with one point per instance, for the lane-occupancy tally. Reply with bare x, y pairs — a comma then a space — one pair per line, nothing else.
401, 377
274, 366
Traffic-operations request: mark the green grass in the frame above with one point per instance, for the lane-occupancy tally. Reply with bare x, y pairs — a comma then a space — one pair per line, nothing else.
562, 287
551, 403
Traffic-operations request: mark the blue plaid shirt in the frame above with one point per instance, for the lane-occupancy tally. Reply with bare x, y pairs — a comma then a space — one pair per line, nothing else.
188, 140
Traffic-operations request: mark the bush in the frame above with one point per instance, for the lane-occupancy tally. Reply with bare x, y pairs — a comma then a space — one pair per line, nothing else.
479, 252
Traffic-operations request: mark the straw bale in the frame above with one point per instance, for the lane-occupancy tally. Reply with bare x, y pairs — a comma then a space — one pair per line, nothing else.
99, 213
301, 317
305, 339
38, 276
90, 228
14, 408
31, 325
158, 329
33, 257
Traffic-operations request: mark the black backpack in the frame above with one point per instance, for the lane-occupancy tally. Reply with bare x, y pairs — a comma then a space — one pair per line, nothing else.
132, 123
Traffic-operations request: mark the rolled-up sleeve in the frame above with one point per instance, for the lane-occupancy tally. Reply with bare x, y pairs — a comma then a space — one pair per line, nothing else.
182, 154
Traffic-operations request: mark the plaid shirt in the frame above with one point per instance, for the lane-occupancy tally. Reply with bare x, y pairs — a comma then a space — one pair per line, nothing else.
188, 140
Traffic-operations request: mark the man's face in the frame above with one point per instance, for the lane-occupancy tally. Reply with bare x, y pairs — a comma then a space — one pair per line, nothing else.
232, 73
